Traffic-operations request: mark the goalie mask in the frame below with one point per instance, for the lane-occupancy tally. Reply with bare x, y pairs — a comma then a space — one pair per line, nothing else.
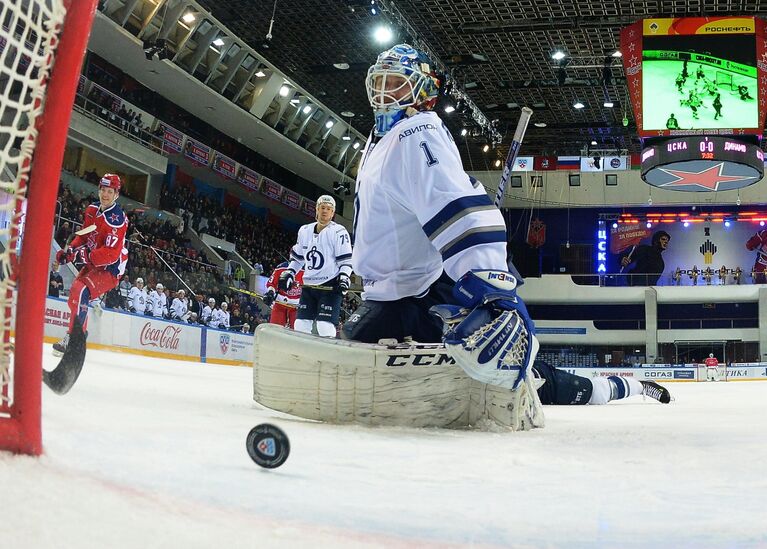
401, 78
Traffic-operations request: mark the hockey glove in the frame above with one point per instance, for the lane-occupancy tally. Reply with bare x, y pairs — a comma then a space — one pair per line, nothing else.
489, 332
344, 283
268, 298
287, 279
64, 256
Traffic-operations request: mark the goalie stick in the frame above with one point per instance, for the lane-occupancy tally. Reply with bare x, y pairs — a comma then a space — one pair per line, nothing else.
516, 143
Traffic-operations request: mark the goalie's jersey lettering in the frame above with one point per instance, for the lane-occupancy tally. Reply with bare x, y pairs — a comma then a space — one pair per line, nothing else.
418, 213
429, 359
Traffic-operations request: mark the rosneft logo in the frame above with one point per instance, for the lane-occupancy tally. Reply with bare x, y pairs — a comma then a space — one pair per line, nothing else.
743, 28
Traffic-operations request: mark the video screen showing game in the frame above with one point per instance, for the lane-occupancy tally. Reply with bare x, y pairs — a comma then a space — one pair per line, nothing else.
698, 82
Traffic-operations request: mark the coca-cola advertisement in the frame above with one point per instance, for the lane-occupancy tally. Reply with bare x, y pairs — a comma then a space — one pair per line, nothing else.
161, 337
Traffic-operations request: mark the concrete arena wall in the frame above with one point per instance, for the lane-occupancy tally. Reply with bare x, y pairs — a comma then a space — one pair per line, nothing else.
148, 336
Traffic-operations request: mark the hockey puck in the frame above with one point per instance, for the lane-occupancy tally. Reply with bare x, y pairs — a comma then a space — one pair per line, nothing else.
268, 445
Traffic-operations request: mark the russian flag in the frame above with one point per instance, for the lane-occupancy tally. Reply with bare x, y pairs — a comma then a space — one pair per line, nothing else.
568, 162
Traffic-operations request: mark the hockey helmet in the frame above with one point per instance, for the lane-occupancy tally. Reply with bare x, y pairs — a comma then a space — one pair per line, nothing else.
401, 78
111, 180
326, 199
139, 280
710, 355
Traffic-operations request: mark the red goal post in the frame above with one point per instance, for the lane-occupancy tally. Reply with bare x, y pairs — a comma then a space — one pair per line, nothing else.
42, 44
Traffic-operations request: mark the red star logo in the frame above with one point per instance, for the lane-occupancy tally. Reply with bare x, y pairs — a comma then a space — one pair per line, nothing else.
709, 179
114, 218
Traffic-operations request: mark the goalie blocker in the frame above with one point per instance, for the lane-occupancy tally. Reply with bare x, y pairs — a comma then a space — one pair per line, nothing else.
413, 385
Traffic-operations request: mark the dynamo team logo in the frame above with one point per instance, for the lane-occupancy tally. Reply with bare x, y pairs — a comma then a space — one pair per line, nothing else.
314, 259
223, 342
267, 447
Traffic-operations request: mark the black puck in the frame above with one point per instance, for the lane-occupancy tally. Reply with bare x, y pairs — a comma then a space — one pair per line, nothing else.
268, 445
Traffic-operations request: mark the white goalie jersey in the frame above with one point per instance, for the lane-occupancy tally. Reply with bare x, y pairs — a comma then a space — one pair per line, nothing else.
417, 212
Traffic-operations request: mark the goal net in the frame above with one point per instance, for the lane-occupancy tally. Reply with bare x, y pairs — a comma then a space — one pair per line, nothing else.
723, 79
42, 43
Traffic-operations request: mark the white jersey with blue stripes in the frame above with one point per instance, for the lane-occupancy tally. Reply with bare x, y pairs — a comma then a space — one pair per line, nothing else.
323, 255
417, 212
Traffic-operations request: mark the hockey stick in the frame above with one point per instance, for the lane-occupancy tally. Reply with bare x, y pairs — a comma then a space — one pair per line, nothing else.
82, 232
142, 237
516, 143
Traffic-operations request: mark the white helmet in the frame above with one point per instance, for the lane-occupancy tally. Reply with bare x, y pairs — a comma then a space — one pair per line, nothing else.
159, 286
224, 304
211, 300
139, 280
710, 355
326, 199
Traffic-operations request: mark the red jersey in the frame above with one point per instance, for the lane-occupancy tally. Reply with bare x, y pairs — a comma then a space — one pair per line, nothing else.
290, 297
106, 245
712, 362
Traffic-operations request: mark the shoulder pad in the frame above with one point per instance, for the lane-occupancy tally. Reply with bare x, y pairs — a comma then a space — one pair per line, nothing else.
114, 216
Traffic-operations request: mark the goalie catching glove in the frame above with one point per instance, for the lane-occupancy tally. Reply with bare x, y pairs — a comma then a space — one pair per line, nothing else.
489, 332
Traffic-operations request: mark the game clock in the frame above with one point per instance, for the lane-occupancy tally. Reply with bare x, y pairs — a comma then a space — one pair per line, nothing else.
702, 163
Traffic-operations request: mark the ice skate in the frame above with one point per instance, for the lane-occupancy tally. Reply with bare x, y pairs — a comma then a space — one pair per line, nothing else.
60, 347
658, 392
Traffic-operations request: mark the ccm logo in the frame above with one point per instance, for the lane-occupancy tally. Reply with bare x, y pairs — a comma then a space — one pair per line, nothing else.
420, 360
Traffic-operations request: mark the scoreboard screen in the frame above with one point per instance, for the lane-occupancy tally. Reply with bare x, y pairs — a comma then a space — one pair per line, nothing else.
696, 75
702, 163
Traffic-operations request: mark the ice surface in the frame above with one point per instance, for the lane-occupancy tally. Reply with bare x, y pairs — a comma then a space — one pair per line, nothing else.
150, 453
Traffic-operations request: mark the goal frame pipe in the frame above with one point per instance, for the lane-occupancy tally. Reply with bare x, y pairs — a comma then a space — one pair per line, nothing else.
23, 433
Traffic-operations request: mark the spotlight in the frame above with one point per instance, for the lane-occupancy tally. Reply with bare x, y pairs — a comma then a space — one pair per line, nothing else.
307, 109
615, 225
464, 131
761, 223
686, 224
449, 109
539, 124
356, 145
649, 225
188, 17
727, 223
485, 148
497, 163
383, 34
617, 53
260, 74
609, 104
329, 124
284, 91
593, 143
558, 55
578, 105
346, 138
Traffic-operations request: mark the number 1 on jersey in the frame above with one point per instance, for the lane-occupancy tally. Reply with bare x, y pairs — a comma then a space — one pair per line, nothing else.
430, 160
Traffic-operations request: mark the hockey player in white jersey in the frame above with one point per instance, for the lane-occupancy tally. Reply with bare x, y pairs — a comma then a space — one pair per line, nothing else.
220, 317
324, 250
430, 245
207, 311
179, 307
158, 301
137, 297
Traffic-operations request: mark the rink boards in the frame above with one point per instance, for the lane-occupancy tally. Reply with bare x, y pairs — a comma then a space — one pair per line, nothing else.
149, 336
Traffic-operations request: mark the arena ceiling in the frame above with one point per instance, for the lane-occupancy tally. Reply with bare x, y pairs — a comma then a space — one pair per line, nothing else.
498, 50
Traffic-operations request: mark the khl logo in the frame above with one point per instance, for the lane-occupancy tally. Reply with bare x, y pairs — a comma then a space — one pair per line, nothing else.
314, 259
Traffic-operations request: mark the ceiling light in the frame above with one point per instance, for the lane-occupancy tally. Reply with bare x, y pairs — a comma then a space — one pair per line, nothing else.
341, 66
347, 114
609, 104
284, 91
726, 223
383, 34
557, 55
307, 109
218, 42
329, 124
464, 131
260, 74
491, 105
497, 163
356, 145
486, 148
346, 138
593, 143
294, 101
188, 17
578, 105
449, 109
617, 53
649, 225
686, 223
539, 124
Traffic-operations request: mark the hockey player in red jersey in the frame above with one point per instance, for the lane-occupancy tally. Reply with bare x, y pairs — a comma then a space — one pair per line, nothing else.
712, 368
758, 242
104, 253
284, 303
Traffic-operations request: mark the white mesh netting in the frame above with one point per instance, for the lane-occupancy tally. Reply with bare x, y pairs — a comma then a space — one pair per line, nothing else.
28, 36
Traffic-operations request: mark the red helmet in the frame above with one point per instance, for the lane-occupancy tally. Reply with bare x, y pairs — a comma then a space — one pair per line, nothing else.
111, 180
